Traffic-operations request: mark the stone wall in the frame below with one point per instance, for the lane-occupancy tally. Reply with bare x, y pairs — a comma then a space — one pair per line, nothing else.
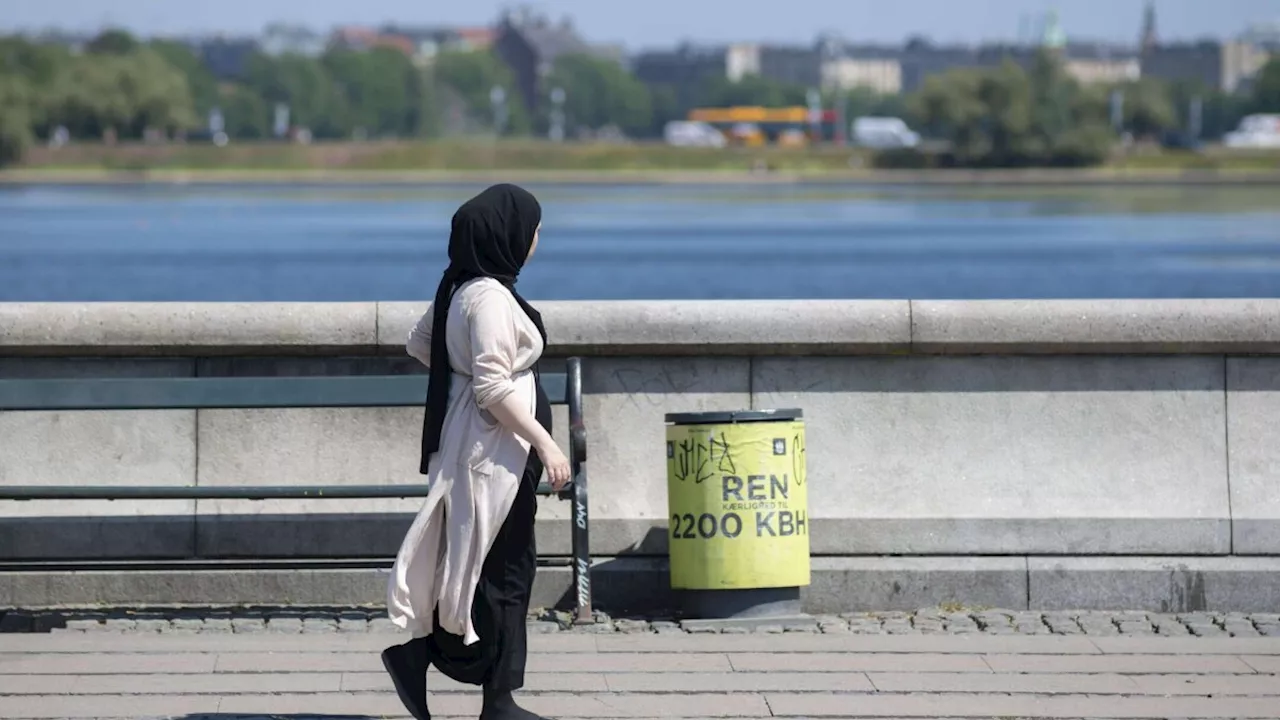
1011, 438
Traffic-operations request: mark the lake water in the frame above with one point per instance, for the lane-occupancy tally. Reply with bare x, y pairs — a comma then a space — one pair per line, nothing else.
359, 243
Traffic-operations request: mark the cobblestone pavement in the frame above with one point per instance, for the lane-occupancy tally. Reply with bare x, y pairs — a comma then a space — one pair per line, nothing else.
833, 673
922, 622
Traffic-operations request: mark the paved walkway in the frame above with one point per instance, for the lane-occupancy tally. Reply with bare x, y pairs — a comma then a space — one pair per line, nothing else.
653, 675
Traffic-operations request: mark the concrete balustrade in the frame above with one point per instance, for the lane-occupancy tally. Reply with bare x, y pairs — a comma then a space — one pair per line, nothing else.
1011, 453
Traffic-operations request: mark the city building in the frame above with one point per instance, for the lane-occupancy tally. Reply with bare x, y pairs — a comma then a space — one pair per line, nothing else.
1097, 63
1221, 66
424, 44
921, 59
284, 39
684, 71
360, 39
1241, 61
530, 45
226, 57
791, 65
848, 67
1265, 35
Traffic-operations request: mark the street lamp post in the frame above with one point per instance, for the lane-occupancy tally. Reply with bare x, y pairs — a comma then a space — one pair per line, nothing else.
815, 113
498, 99
556, 133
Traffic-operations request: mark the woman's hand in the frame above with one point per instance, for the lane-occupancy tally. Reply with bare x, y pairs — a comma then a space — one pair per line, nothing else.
556, 464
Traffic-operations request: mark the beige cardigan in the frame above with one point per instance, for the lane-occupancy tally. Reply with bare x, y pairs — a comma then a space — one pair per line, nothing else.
474, 476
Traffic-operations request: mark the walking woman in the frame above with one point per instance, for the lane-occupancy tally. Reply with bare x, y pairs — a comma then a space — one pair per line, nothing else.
462, 579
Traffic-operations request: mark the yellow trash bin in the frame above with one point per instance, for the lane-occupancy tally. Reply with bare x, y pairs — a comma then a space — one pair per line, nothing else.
737, 500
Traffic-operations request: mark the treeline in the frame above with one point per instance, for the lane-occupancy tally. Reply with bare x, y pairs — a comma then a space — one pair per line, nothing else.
1041, 116
124, 88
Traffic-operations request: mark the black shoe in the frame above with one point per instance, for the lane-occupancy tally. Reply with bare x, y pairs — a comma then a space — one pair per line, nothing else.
500, 705
407, 665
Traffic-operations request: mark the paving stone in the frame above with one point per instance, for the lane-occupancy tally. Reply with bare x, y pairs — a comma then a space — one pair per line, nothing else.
217, 626
1136, 627
151, 626
1172, 629
538, 627
285, 625
194, 625
632, 627
1206, 630
319, 626
248, 626
353, 625
667, 627
119, 624
1240, 628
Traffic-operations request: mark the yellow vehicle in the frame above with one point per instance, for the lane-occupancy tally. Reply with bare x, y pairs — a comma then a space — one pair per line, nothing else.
753, 126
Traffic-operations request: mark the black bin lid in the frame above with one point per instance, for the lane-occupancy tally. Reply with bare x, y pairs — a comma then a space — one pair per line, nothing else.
734, 416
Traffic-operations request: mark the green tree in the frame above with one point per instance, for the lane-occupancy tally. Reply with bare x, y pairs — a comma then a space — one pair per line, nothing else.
599, 92
201, 83
123, 93
382, 90
1008, 117
665, 101
16, 98
113, 42
1148, 108
303, 84
866, 102
36, 62
472, 75
1266, 88
244, 113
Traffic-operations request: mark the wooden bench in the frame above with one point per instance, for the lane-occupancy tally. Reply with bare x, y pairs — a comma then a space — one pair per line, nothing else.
201, 393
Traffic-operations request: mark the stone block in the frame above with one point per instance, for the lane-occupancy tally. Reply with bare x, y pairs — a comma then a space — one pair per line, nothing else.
1009, 455
701, 328
307, 446
1096, 326
108, 448
186, 328
1166, 585
1253, 407
902, 583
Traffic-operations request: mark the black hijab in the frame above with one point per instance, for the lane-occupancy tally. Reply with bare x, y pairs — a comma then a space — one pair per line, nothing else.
491, 237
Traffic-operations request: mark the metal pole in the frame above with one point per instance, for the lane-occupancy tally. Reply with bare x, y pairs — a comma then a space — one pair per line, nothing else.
1117, 110
556, 132
498, 99
1196, 124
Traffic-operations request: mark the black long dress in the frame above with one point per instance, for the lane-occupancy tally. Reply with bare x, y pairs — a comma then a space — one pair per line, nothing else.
501, 605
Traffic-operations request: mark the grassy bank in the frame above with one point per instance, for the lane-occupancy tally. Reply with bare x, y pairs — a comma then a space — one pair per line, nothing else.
532, 160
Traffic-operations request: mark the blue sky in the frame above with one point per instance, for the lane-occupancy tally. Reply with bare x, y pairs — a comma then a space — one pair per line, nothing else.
649, 22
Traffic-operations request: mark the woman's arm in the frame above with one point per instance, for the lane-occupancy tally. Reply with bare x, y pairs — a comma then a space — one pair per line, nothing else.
493, 341
419, 343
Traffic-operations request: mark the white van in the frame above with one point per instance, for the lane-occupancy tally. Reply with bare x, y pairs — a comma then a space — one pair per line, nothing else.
883, 133
688, 133
1255, 131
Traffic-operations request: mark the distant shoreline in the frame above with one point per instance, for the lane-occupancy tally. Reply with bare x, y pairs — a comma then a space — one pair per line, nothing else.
1041, 177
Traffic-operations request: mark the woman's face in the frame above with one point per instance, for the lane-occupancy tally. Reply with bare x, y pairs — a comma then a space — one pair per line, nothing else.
534, 245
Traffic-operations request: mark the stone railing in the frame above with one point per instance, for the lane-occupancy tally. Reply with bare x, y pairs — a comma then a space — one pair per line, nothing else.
1068, 453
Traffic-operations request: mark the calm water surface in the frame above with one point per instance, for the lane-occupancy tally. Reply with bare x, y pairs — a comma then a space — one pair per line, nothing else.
272, 243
